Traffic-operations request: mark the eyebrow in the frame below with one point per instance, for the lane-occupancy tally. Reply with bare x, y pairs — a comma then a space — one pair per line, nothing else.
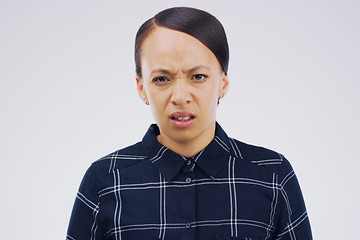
164, 71
160, 70
197, 68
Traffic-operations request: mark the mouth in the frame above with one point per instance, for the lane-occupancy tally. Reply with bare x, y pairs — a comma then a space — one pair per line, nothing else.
182, 119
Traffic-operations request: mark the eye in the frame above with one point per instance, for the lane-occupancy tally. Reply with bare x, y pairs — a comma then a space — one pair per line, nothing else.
160, 80
199, 77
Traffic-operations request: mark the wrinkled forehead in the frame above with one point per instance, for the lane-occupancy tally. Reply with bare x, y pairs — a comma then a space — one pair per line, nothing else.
165, 46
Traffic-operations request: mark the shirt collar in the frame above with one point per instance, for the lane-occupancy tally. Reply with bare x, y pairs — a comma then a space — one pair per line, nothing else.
169, 163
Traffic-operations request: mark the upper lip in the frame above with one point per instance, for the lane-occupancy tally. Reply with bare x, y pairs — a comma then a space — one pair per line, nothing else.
181, 114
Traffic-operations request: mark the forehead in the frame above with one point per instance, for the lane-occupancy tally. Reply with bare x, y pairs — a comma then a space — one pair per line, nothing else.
164, 46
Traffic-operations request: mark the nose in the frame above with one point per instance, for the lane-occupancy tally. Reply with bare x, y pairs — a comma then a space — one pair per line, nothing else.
180, 92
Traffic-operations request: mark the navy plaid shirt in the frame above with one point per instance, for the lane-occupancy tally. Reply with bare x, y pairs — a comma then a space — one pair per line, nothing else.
230, 190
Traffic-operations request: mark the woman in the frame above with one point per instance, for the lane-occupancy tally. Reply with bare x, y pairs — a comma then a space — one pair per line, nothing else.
187, 179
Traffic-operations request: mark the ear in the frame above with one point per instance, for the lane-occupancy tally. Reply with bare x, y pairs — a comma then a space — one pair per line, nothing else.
141, 89
224, 85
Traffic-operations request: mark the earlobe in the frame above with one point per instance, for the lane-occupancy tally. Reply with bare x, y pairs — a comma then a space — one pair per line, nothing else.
141, 90
224, 86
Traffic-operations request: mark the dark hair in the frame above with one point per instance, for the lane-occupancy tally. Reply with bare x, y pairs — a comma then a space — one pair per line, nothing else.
200, 24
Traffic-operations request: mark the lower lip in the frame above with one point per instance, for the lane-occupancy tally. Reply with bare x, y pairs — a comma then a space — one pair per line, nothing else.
182, 124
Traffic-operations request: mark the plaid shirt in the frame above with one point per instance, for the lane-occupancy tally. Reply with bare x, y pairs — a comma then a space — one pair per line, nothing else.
230, 190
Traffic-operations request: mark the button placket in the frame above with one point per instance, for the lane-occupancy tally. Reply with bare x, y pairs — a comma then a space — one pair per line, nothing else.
188, 214
189, 165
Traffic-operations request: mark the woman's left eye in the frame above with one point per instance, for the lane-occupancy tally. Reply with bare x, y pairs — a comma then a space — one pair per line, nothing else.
199, 77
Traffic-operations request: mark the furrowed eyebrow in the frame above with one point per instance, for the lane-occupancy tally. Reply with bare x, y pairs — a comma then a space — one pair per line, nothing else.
167, 72
160, 71
194, 69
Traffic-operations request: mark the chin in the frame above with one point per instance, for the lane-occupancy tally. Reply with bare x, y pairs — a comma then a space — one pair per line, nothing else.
182, 134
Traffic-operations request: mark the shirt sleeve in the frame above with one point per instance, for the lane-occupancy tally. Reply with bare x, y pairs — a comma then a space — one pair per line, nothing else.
293, 220
83, 223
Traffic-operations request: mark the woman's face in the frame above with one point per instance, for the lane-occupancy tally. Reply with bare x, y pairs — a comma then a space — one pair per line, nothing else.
182, 81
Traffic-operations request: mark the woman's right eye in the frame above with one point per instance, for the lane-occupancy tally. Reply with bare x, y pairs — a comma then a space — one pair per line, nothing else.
160, 80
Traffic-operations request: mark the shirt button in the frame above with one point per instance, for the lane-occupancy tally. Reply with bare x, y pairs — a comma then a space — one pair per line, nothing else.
188, 162
188, 180
188, 225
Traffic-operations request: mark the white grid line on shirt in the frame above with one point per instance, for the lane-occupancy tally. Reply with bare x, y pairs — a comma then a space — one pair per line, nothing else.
87, 202
286, 198
267, 161
94, 227
112, 162
118, 206
115, 156
235, 148
222, 144
300, 219
291, 230
118, 156
162, 208
159, 155
68, 237
231, 200
178, 184
235, 198
228, 222
207, 223
287, 178
292, 225
198, 156
219, 139
283, 191
273, 205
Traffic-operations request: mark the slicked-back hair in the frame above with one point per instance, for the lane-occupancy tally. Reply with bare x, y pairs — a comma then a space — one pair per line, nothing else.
197, 23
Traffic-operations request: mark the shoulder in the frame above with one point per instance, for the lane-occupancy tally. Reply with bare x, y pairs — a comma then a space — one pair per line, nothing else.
119, 159
256, 154
262, 157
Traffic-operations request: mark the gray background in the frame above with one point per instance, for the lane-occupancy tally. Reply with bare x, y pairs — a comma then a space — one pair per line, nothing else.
68, 97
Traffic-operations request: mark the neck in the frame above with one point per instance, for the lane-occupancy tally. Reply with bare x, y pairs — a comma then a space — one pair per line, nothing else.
191, 146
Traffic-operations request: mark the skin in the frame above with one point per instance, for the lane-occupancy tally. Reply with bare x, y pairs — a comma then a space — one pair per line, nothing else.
180, 74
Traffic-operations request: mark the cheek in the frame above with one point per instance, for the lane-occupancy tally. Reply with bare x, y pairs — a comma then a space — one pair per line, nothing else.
156, 97
211, 93
150, 92
207, 99
157, 111
210, 98
158, 102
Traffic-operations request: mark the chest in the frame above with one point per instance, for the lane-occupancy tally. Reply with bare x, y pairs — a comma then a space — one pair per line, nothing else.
191, 206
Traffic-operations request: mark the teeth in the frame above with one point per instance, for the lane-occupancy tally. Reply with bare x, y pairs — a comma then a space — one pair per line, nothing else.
183, 118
